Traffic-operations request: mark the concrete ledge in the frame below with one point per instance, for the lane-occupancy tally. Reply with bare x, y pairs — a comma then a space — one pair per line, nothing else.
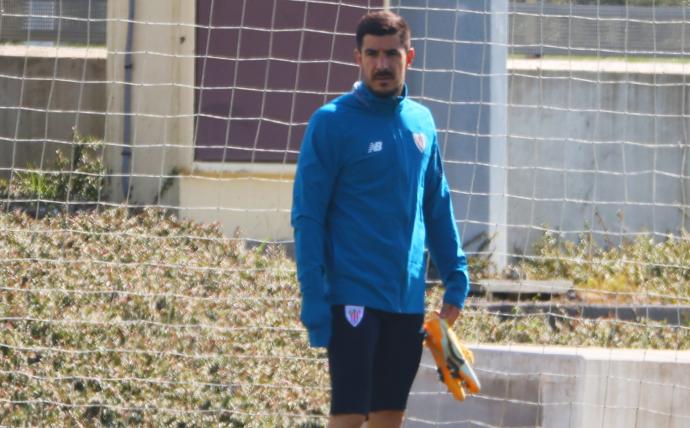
255, 208
282, 171
53, 51
675, 315
535, 386
604, 65
524, 286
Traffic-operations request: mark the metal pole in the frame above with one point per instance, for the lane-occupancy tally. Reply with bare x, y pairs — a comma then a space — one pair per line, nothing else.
127, 132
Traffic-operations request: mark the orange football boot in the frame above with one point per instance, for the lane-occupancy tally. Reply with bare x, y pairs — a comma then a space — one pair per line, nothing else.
453, 359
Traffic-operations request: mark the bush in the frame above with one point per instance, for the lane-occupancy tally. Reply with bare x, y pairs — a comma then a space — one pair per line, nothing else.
114, 319
152, 320
639, 270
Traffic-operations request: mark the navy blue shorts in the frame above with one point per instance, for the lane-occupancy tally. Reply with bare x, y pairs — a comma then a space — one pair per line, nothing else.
373, 357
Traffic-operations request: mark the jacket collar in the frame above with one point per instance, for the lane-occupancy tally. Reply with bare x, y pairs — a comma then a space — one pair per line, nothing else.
368, 98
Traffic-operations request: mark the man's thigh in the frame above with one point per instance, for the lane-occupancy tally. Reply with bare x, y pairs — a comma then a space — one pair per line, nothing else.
396, 361
373, 359
355, 331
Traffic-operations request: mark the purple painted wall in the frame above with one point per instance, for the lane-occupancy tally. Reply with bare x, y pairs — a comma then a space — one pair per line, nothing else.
253, 105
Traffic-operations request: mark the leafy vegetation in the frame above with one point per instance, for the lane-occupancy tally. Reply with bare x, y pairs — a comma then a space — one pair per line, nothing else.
114, 319
639, 270
75, 178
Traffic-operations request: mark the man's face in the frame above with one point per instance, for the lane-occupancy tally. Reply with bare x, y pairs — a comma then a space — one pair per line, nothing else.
383, 61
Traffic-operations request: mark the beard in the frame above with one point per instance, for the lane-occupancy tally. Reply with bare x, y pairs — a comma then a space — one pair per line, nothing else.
394, 88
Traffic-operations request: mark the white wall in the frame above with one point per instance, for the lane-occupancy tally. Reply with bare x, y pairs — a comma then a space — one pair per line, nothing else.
539, 386
596, 144
246, 203
162, 95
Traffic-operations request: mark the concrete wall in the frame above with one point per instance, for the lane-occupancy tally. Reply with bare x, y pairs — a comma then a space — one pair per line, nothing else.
600, 145
534, 386
249, 202
162, 98
598, 29
44, 94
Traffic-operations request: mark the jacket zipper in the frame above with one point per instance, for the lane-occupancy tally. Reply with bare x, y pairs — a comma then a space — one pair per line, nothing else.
402, 160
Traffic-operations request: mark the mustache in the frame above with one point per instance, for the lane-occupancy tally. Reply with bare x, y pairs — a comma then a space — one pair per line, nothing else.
385, 74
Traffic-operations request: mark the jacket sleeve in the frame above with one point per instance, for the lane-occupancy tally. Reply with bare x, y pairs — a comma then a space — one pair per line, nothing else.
316, 172
443, 239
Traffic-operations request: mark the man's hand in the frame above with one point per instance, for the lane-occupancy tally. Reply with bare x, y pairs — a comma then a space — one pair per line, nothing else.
449, 313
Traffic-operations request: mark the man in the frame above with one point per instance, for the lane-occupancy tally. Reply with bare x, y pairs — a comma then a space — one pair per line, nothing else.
369, 192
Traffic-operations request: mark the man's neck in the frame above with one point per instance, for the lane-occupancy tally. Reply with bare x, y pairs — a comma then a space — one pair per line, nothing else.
390, 95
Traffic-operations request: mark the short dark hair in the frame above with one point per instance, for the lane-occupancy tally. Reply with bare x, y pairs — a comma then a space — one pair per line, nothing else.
383, 23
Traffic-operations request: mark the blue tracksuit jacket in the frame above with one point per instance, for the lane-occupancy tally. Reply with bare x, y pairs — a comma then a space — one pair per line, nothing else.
369, 193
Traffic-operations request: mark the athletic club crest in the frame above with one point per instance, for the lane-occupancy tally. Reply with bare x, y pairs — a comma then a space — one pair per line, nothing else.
354, 315
420, 141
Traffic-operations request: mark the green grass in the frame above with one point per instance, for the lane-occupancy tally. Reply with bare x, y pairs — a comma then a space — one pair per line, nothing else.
114, 319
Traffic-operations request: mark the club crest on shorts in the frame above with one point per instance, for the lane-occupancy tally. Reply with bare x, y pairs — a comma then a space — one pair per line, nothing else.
354, 314
420, 141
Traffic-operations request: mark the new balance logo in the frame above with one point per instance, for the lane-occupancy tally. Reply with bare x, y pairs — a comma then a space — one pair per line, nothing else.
375, 146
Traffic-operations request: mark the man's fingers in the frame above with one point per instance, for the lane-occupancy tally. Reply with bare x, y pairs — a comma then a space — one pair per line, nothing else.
449, 312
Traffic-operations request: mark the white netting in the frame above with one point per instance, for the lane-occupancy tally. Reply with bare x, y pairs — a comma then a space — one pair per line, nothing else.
145, 186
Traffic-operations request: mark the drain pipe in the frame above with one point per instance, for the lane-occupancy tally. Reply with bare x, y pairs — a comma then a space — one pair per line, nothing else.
127, 132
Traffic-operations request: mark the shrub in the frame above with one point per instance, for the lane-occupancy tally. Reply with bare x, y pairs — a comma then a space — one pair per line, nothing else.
641, 269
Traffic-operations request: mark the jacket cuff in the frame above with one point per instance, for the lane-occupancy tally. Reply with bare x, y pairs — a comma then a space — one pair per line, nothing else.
456, 290
316, 317
320, 337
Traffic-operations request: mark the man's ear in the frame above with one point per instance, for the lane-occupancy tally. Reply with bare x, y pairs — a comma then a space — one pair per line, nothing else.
358, 56
410, 56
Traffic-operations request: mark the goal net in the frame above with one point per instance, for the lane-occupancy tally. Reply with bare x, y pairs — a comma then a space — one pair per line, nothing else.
147, 154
